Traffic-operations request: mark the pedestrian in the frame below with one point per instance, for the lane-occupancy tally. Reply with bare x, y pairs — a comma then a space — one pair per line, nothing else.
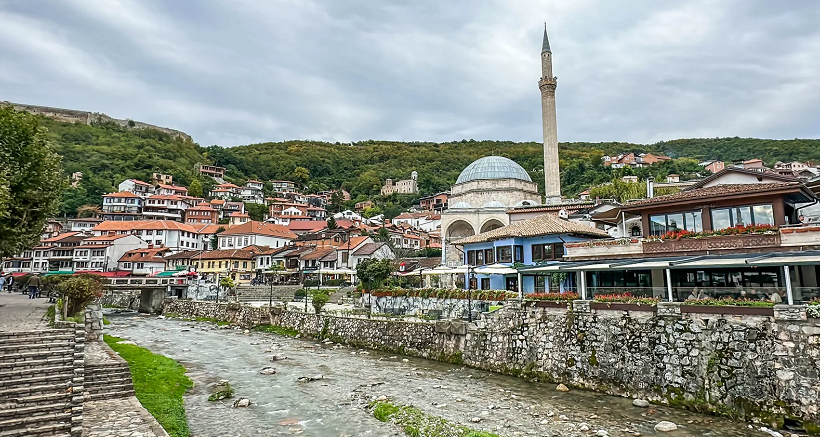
9, 282
33, 285
777, 297
2, 281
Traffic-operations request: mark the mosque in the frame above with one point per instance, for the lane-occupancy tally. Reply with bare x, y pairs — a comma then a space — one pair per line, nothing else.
489, 186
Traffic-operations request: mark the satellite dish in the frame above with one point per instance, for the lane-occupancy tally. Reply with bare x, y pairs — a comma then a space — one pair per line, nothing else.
563, 214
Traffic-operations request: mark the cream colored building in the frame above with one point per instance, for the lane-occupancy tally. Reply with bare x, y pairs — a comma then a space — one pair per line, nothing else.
404, 186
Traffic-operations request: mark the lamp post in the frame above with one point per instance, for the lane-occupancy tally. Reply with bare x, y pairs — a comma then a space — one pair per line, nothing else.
470, 278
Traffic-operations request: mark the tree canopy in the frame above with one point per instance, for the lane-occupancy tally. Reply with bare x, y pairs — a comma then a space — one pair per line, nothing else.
31, 180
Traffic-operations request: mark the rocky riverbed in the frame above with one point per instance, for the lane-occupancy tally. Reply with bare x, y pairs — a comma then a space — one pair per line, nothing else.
335, 404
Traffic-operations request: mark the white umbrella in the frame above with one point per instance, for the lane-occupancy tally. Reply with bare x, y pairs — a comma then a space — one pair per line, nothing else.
496, 269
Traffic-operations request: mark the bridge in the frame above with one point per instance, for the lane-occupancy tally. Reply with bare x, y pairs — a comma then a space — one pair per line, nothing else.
152, 290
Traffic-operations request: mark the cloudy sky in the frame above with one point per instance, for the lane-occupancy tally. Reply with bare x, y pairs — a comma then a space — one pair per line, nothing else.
242, 71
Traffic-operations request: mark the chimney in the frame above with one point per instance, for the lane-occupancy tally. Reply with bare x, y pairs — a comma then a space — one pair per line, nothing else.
650, 187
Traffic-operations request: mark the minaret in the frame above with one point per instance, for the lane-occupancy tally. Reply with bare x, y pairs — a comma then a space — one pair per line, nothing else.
547, 84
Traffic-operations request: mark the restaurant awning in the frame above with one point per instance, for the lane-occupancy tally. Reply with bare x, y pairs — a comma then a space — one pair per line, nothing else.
337, 271
713, 261
57, 273
444, 270
496, 269
166, 273
787, 258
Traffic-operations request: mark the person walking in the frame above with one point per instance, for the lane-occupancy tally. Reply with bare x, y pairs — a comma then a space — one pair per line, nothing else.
2, 282
33, 285
9, 282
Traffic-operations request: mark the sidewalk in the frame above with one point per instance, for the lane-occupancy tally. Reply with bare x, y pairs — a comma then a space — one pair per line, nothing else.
19, 313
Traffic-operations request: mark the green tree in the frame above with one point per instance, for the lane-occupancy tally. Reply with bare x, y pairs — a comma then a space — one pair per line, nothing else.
372, 211
301, 175
257, 211
320, 298
335, 202
86, 211
195, 189
31, 180
78, 291
331, 223
215, 237
374, 272
226, 283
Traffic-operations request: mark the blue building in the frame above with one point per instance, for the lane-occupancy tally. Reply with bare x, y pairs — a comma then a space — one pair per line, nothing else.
537, 241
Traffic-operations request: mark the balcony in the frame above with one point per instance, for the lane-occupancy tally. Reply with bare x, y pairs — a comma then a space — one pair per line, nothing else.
787, 238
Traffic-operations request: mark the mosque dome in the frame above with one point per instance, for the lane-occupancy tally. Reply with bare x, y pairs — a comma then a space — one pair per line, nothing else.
493, 167
461, 205
494, 204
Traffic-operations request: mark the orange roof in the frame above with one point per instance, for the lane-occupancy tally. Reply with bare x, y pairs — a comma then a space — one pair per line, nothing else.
166, 197
106, 237
59, 237
354, 242
238, 214
123, 194
218, 201
202, 207
166, 225
228, 185
208, 228
262, 228
145, 255
173, 187
139, 182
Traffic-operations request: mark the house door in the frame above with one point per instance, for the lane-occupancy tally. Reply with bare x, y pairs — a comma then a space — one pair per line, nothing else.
512, 283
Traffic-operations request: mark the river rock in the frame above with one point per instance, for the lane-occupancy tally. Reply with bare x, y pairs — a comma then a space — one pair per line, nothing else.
241, 403
278, 358
268, 371
601, 433
381, 398
665, 426
562, 387
310, 378
771, 432
642, 403
583, 427
475, 419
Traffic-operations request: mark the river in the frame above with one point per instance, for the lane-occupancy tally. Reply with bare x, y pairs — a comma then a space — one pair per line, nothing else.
335, 405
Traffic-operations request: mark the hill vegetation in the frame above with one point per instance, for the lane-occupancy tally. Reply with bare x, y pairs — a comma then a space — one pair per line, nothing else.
106, 154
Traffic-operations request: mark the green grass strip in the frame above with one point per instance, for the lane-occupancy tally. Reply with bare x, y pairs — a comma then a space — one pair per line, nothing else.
159, 383
416, 423
277, 330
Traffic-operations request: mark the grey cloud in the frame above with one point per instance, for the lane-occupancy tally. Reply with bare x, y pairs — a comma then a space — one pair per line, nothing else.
251, 70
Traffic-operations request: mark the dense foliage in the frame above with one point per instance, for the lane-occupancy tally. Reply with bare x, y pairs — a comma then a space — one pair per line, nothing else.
31, 180
77, 292
109, 153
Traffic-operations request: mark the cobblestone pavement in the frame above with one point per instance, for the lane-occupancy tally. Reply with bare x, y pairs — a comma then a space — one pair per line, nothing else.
119, 418
19, 313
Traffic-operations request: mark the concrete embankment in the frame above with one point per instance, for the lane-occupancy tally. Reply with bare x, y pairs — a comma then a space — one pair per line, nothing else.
757, 368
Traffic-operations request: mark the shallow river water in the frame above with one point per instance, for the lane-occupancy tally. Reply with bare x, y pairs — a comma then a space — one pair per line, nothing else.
335, 405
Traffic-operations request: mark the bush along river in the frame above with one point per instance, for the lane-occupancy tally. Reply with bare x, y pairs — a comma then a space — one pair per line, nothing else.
303, 387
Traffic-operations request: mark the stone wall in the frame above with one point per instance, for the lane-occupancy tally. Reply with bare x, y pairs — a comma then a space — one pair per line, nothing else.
751, 367
121, 299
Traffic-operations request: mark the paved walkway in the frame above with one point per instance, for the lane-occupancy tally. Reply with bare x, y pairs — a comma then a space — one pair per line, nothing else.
19, 313
119, 418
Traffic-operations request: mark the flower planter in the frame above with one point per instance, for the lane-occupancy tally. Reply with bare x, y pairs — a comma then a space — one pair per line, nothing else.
548, 304
727, 309
786, 231
620, 306
801, 230
381, 294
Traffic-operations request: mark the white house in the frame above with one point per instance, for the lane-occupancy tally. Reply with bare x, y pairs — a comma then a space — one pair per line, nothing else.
348, 215
140, 188
144, 261
165, 207
84, 225
104, 251
252, 192
426, 221
171, 190
160, 233
255, 233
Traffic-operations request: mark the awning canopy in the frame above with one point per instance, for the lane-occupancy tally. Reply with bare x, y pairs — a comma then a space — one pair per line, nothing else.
715, 261
444, 270
166, 273
337, 271
57, 273
787, 258
496, 269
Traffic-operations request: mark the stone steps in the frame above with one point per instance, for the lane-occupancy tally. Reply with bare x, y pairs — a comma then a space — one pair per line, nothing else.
13, 366
39, 371
30, 375
34, 347
32, 390
28, 340
123, 393
46, 333
62, 429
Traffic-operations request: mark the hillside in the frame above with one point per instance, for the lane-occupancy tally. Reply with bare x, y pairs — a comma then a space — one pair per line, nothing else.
108, 153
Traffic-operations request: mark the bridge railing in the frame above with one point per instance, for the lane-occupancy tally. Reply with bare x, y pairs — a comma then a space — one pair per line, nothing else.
130, 282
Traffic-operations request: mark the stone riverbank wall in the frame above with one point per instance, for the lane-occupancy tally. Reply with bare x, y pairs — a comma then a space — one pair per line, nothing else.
758, 368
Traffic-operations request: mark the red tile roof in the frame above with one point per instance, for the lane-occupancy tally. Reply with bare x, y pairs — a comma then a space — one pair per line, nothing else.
122, 194
262, 228
712, 192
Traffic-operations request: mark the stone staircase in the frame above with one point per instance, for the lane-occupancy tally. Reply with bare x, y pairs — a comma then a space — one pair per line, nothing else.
41, 383
107, 376
336, 296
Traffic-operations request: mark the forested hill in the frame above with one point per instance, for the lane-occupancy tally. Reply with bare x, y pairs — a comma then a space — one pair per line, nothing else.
109, 153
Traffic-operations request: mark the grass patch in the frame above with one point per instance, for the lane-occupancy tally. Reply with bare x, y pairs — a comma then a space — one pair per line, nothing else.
210, 319
106, 321
159, 383
416, 423
50, 315
224, 391
277, 330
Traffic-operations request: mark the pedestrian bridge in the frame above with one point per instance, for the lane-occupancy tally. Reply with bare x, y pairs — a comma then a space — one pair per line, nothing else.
152, 290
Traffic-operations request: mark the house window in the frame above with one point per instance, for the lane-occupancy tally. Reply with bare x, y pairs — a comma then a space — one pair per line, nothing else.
742, 216
485, 283
479, 257
159, 232
471, 257
504, 254
236, 264
660, 224
547, 252
149, 232
636, 231
126, 265
140, 266
488, 256
244, 264
519, 254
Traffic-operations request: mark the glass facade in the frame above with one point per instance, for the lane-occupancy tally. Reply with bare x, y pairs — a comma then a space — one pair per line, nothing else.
746, 215
660, 224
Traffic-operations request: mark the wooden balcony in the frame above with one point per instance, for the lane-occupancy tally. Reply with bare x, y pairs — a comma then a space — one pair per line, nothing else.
723, 242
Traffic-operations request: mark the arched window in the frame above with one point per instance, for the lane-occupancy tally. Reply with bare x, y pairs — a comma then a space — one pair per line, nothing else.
636, 231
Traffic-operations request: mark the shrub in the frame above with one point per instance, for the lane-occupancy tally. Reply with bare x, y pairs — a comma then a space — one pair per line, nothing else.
729, 301
625, 298
553, 297
319, 300
79, 291
814, 308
